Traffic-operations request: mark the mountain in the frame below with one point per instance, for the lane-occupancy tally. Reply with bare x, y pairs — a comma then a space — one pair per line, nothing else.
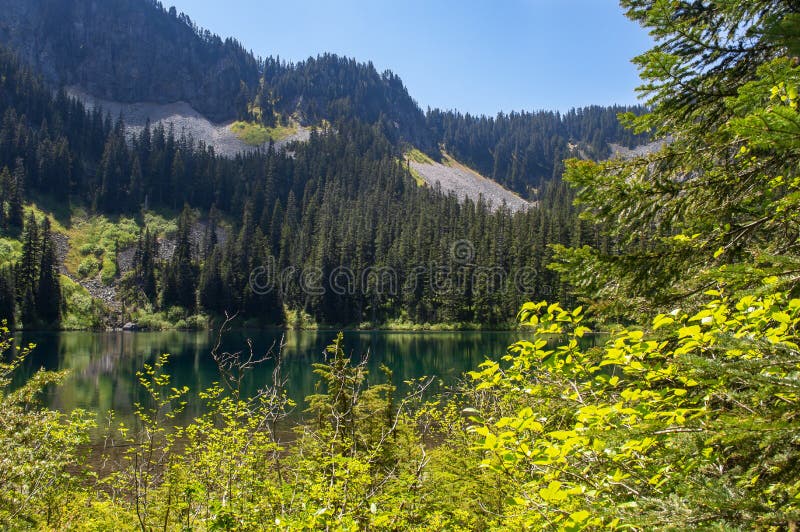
137, 51
524, 150
333, 88
149, 222
128, 51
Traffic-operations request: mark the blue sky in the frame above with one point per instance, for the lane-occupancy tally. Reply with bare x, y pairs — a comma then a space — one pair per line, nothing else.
477, 56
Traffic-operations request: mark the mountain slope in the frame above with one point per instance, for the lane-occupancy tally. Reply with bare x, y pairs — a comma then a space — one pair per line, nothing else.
135, 51
338, 221
524, 150
456, 178
128, 51
183, 119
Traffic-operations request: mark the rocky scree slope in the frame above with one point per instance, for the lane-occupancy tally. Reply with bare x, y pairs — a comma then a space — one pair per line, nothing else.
183, 119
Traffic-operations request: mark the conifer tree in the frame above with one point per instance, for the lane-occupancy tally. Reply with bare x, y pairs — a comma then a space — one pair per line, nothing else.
180, 278
48, 292
5, 194
8, 297
210, 234
113, 175
28, 309
145, 263
710, 208
211, 286
15, 211
28, 268
136, 183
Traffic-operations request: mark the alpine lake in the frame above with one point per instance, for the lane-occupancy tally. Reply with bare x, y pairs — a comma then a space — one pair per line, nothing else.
102, 366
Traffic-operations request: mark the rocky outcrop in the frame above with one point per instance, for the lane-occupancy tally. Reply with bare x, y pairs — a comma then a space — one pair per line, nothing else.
621, 152
94, 286
166, 246
464, 182
129, 51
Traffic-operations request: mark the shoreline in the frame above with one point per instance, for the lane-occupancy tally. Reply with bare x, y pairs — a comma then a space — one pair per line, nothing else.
321, 328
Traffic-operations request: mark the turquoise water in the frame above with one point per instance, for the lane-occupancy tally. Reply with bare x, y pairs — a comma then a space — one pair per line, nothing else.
103, 365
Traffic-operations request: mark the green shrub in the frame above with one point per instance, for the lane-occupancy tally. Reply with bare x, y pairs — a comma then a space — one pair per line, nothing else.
41, 448
91, 249
88, 267
82, 311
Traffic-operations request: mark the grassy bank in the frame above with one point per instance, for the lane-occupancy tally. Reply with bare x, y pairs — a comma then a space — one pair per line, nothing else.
255, 134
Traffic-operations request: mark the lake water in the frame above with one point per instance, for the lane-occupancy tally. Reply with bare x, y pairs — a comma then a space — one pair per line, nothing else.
103, 365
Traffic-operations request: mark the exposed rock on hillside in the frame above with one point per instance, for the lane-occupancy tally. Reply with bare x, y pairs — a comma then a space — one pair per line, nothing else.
183, 118
96, 288
166, 246
621, 152
466, 183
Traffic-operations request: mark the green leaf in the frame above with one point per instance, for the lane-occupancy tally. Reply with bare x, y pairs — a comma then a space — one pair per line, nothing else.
692, 332
580, 516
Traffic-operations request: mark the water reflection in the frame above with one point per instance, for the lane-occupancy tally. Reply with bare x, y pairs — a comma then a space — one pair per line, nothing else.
103, 365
